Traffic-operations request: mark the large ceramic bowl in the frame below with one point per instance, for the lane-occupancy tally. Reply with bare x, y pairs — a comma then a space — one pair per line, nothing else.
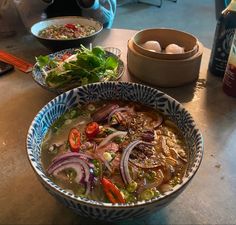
59, 44
105, 91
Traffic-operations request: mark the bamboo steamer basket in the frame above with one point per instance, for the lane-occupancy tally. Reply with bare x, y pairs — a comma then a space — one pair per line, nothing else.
163, 72
165, 37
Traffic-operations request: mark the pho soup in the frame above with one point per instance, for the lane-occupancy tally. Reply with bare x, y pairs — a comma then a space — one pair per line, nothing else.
114, 151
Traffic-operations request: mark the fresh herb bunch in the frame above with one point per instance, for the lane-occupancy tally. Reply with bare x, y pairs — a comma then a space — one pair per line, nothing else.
83, 67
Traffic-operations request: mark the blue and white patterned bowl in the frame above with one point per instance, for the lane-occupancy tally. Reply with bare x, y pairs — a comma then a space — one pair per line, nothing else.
105, 91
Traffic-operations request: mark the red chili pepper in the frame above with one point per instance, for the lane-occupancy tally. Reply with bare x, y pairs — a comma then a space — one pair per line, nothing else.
74, 140
71, 26
65, 56
91, 130
112, 192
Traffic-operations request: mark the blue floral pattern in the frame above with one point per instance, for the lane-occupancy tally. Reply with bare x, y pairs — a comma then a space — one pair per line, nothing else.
121, 91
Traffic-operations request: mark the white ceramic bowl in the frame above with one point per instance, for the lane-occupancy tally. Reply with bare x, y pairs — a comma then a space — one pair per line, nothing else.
110, 91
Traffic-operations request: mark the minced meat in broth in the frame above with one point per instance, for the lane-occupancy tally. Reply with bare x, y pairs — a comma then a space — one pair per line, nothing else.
116, 152
67, 31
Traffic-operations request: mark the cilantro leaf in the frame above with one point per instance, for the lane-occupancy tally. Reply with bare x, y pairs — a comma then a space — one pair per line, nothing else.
88, 66
45, 61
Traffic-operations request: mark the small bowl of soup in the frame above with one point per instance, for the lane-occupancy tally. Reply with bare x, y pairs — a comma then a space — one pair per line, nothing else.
114, 150
66, 32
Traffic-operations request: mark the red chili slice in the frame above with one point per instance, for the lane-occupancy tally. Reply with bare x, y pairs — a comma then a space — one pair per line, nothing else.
112, 192
74, 140
71, 26
91, 130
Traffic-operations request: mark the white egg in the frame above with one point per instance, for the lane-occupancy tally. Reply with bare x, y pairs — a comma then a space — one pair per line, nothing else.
153, 46
174, 49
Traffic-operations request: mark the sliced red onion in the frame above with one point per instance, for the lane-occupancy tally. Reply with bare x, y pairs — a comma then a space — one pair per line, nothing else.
158, 122
120, 109
103, 112
81, 166
70, 155
111, 136
76, 166
124, 162
86, 170
59, 164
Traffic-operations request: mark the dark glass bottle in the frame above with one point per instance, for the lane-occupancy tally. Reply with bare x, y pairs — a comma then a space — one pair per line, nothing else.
224, 33
229, 81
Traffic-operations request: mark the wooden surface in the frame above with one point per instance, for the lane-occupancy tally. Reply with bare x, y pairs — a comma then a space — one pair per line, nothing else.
209, 199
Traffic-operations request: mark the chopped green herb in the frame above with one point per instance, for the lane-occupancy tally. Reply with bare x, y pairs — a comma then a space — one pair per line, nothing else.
147, 194
88, 66
132, 186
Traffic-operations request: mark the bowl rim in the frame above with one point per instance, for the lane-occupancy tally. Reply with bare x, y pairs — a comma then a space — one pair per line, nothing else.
63, 18
184, 55
93, 203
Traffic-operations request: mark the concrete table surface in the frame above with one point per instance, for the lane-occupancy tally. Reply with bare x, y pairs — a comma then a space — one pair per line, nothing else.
209, 199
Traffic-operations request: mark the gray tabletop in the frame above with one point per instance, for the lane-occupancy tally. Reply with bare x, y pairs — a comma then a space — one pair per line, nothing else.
209, 199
